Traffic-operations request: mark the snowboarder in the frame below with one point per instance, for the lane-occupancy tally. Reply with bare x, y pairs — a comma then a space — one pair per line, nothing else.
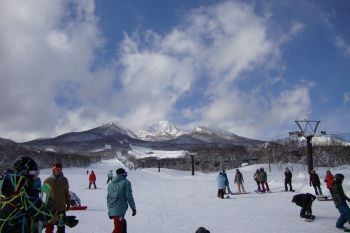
59, 199
220, 179
288, 180
315, 182
109, 176
305, 202
118, 198
263, 180
227, 186
239, 181
74, 199
92, 179
329, 179
340, 199
257, 179
21, 207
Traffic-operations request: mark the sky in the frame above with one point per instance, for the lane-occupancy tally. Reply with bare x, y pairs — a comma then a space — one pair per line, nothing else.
248, 67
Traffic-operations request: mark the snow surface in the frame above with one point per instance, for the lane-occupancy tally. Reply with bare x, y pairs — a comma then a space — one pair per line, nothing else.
176, 202
143, 152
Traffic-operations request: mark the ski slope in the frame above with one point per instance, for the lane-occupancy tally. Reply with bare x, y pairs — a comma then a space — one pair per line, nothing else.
176, 202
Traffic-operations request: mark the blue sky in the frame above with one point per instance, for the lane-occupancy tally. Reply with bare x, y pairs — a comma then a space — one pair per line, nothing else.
249, 67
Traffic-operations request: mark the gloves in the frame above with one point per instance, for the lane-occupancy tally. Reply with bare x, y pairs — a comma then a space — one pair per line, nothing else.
70, 221
133, 212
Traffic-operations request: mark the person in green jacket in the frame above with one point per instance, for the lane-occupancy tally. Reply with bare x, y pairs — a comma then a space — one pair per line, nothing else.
119, 197
340, 199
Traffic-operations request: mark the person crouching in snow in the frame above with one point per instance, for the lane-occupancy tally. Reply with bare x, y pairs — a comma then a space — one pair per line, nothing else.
74, 199
221, 185
118, 198
92, 179
305, 202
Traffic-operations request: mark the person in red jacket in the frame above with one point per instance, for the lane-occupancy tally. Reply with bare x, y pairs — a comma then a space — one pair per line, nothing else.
329, 180
92, 179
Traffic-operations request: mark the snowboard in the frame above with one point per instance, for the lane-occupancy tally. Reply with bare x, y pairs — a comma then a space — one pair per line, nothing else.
236, 193
83, 207
325, 198
260, 192
311, 219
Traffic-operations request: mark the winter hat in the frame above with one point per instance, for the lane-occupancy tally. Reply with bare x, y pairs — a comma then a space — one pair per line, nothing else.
339, 177
121, 171
202, 230
57, 165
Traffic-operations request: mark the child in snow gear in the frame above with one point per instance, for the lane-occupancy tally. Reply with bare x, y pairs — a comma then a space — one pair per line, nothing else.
220, 179
92, 179
227, 186
118, 198
315, 182
59, 198
340, 199
74, 199
305, 202
21, 207
329, 179
263, 180
257, 179
109, 176
288, 180
239, 181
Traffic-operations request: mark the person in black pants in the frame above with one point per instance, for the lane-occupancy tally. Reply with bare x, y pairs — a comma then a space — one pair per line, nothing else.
305, 202
315, 182
288, 180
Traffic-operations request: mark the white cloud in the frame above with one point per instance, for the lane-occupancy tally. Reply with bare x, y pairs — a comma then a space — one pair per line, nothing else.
341, 44
346, 98
293, 31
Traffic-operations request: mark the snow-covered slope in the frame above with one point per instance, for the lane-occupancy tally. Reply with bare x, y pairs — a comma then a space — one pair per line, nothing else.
160, 131
176, 202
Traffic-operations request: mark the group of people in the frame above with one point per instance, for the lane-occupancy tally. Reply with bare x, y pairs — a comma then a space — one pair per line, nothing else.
223, 183
23, 210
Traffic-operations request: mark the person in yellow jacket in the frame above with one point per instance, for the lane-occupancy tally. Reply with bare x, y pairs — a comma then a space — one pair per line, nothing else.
59, 198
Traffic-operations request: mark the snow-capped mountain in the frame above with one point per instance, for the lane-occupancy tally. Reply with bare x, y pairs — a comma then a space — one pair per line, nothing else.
160, 131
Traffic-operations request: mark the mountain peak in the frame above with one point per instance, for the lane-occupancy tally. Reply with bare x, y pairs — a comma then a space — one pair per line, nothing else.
162, 130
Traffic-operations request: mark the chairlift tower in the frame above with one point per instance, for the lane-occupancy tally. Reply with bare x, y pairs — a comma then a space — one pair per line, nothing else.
308, 130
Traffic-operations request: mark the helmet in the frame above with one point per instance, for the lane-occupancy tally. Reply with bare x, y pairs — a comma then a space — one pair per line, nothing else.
339, 177
26, 166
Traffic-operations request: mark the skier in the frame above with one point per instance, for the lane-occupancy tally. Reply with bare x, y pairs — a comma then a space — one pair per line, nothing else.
288, 180
329, 179
315, 182
109, 176
227, 186
21, 207
59, 199
118, 198
239, 181
263, 180
221, 185
305, 202
257, 179
340, 199
92, 179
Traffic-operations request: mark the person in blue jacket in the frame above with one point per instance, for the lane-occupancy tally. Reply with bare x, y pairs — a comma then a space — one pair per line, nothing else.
221, 185
119, 197
227, 183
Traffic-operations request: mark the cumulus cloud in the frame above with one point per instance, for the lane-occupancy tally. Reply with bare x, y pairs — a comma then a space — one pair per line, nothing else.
191, 73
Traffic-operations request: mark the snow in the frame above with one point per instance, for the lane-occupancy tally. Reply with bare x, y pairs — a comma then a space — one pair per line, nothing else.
176, 202
162, 130
106, 147
143, 152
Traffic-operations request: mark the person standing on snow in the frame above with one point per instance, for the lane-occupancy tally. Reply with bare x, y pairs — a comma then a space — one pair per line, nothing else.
227, 186
263, 180
329, 179
305, 202
239, 181
288, 180
340, 199
220, 179
315, 182
92, 179
59, 198
109, 176
118, 198
257, 179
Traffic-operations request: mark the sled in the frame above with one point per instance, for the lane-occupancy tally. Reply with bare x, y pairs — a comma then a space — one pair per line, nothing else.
83, 207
